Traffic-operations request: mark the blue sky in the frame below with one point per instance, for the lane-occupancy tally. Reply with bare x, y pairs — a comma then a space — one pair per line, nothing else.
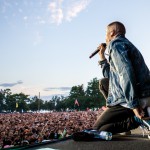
45, 44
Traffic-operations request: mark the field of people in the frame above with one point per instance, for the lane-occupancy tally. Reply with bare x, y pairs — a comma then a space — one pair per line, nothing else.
17, 129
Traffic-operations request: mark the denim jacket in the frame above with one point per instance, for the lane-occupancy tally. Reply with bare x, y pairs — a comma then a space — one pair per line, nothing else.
129, 77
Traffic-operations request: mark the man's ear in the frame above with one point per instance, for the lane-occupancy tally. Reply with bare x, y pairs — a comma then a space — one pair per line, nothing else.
112, 33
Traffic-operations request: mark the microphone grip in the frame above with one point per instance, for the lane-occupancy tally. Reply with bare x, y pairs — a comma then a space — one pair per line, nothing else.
96, 51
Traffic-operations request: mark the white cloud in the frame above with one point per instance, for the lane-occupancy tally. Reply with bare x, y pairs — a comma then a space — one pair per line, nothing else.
56, 11
57, 17
76, 8
61, 11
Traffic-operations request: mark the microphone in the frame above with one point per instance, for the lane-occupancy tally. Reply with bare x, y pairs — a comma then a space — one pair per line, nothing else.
96, 51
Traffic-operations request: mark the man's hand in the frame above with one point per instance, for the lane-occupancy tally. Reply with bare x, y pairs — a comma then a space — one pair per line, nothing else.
102, 49
138, 112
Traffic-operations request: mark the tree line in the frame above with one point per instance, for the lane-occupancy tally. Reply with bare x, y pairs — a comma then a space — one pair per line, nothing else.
89, 98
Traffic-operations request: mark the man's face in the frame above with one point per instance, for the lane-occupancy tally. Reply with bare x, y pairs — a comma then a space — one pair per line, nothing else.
109, 34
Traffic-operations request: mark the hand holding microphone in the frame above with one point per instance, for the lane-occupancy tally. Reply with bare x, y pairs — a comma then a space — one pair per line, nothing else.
101, 49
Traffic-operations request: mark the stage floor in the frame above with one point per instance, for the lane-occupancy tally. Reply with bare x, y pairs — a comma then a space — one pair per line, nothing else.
132, 142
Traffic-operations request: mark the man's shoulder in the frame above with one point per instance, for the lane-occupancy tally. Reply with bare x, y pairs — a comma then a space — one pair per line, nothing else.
120, 43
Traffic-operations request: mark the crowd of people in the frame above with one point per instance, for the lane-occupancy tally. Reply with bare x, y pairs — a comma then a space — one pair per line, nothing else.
17, 129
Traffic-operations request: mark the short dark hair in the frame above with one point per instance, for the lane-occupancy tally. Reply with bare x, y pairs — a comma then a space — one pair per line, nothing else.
120, 28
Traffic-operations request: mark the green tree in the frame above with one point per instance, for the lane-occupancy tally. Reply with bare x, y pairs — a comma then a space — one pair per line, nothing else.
55, 99
2, 98
22, 100
9, 100
60, 105
93, 94
76, 92
49, 105
36, 104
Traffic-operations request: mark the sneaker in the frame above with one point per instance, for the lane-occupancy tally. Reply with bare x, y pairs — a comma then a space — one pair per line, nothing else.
143, 122
144, 125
